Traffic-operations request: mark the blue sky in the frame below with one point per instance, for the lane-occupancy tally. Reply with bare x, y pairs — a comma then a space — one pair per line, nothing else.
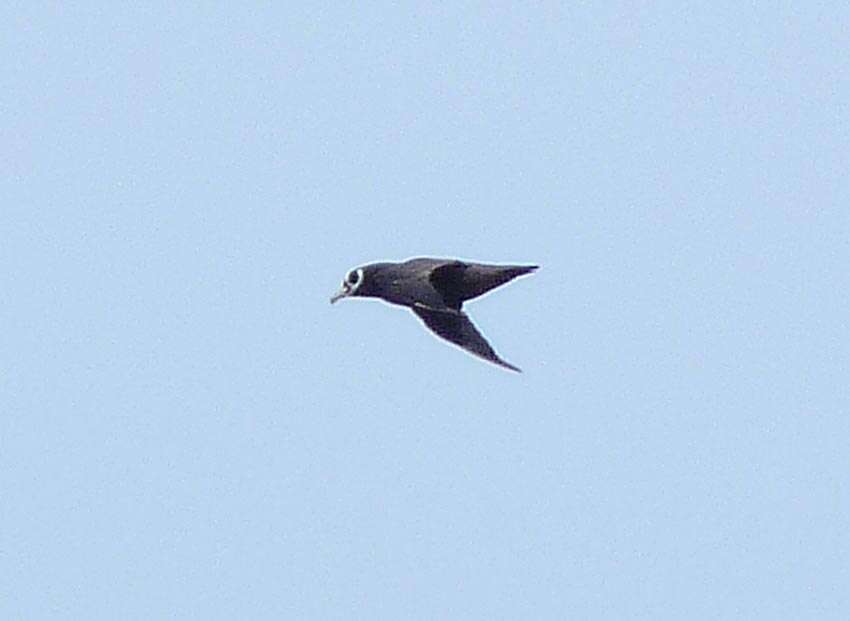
190, 431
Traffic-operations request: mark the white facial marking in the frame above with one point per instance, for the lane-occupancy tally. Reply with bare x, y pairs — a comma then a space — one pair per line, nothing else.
357, 277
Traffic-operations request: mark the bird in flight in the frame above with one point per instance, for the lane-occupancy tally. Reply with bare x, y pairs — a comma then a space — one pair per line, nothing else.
435, 290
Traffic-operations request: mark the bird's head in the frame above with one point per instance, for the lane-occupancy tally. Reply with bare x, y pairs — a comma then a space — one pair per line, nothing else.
355, 283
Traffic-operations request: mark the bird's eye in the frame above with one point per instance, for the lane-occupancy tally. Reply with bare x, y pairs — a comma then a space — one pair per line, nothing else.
353, 277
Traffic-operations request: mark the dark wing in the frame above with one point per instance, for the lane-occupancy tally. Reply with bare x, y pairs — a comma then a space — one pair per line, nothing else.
457, 281
456, 327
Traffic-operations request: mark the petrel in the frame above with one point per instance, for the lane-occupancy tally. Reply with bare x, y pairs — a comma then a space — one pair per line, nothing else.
435, 290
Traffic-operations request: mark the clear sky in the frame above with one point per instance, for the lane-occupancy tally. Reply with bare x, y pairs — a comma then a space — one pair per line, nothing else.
188, 430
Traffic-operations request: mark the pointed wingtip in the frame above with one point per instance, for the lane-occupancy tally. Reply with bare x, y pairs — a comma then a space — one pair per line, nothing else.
509, 366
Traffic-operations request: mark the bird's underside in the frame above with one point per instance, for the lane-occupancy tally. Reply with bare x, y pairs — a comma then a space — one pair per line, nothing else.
435, 290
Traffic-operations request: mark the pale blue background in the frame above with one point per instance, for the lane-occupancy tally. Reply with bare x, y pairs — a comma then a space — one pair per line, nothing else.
190, 431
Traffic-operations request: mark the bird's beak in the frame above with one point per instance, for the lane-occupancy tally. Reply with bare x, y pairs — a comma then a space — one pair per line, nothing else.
343, 292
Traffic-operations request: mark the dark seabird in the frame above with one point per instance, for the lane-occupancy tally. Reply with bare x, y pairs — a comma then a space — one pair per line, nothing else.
435, 289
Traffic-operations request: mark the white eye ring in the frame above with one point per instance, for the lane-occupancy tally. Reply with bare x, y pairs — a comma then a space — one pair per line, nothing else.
355, 285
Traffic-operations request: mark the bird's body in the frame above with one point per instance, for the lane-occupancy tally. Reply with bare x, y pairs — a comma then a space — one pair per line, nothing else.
435, 290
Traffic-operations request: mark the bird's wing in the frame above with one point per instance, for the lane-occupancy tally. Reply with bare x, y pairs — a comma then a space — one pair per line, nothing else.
456, 327
457, 281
